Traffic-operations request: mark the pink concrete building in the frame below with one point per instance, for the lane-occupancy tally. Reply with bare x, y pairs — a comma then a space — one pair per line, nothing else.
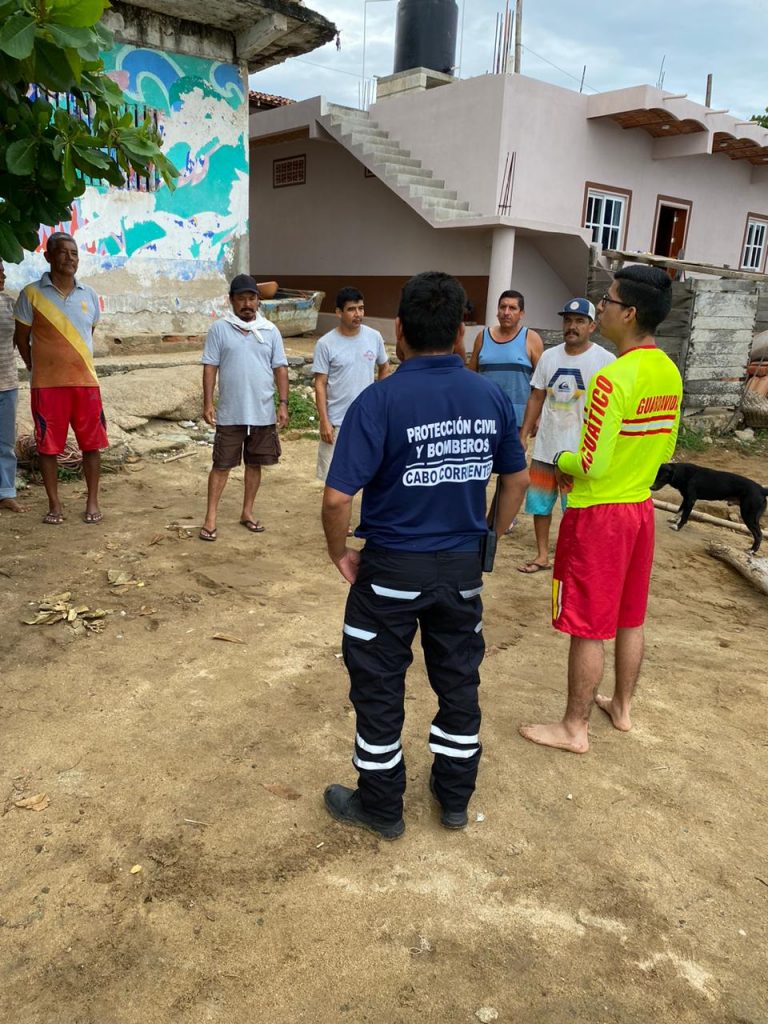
502, 180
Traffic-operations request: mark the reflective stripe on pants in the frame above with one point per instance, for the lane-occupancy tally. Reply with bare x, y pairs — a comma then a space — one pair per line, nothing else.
394, 593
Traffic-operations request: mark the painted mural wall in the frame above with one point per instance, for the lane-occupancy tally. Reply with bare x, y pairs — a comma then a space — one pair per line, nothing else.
163, 253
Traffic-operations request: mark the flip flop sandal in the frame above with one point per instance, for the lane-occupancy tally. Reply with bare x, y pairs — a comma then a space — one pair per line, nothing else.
207, 534
92, 517
53, 519
253, 526
531, 568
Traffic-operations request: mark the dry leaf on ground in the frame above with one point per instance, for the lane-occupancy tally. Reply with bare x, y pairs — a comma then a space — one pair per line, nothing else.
46, 618
230, 639
122, 578
182, 532
58, 609
38, 802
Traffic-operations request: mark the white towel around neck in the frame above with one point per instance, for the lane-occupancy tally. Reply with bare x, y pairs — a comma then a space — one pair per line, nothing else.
252, 326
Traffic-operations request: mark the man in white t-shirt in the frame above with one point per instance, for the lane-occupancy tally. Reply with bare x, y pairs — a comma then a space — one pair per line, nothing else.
558, 393
344, 365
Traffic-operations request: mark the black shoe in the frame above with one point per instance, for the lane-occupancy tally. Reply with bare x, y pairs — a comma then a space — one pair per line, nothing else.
448, 819
343, 804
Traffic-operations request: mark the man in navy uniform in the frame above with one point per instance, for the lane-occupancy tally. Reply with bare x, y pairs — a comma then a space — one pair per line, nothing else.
422, 445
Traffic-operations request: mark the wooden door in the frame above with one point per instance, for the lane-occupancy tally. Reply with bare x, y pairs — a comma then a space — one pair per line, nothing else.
671, 224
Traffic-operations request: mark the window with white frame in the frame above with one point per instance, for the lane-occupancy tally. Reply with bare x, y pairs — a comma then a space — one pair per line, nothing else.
605, 217
754, 244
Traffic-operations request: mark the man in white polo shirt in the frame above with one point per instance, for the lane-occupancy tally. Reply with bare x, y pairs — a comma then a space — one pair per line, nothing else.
246, 352
344, 365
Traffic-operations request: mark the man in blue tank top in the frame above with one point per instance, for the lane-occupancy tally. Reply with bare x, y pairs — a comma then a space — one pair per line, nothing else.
422, 445
508, 354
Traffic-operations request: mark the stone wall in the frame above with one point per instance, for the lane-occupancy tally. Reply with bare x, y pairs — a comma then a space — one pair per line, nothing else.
715, 357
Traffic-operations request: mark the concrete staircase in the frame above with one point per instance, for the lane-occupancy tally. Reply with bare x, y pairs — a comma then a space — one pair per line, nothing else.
395, 166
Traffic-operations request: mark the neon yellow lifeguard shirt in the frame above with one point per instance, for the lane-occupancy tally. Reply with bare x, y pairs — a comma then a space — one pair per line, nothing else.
630, 427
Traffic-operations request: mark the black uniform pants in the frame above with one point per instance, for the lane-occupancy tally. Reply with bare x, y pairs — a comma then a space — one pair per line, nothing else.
396, 591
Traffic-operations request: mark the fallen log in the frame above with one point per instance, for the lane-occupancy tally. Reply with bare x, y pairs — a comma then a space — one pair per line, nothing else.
702, 517
751, 567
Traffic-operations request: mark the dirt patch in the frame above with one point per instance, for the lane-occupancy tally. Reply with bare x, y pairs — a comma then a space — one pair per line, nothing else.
625, 886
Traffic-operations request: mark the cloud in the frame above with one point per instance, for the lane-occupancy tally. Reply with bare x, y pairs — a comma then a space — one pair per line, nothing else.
622, 45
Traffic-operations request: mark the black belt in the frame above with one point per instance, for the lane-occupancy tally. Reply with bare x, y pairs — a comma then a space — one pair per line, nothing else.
469, 548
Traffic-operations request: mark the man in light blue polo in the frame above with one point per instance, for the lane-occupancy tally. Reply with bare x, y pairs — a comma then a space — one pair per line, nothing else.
245, 351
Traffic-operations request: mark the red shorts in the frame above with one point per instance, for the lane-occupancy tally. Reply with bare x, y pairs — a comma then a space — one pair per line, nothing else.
55, 409
602, 569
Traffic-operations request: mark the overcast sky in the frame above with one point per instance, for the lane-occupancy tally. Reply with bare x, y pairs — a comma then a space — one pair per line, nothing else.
621, 43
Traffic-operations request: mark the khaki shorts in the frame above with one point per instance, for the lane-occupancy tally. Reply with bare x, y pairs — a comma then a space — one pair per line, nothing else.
324, 456
257, 446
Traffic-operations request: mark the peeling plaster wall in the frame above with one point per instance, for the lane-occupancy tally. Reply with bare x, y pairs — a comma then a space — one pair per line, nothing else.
161, 260
141, 27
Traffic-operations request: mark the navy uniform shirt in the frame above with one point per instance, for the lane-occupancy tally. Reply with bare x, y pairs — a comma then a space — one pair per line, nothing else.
422, 444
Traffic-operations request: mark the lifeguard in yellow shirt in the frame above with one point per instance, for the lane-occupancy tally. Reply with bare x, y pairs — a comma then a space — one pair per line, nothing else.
604, 550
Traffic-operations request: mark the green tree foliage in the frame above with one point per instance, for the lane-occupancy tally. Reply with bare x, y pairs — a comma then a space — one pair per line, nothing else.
47, 151
761, 118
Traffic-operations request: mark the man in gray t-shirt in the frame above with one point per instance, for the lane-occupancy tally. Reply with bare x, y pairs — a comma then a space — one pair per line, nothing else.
246, 352
344, 365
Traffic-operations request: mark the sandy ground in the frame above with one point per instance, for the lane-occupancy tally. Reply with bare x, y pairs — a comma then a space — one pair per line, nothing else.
628, 885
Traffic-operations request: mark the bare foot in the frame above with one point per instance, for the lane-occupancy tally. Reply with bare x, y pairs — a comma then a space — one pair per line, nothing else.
12, 505
620, 722
557, 735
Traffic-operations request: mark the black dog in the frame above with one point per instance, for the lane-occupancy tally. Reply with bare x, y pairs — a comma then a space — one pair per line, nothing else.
696, 482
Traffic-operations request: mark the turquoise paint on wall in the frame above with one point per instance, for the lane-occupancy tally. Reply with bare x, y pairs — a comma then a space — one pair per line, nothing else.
204, 121
205, 194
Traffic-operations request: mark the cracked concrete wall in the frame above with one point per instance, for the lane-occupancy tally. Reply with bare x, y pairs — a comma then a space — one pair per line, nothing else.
140, 27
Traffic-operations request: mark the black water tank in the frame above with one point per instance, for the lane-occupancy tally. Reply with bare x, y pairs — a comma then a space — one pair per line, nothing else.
426, 35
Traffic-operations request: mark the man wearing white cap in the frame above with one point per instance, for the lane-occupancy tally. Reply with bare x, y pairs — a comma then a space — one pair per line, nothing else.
558, 393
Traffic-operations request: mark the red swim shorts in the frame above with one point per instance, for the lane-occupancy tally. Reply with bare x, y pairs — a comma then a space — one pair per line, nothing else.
602, 569
55, 409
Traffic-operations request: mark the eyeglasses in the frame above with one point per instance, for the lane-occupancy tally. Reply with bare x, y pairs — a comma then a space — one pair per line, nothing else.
605, 299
